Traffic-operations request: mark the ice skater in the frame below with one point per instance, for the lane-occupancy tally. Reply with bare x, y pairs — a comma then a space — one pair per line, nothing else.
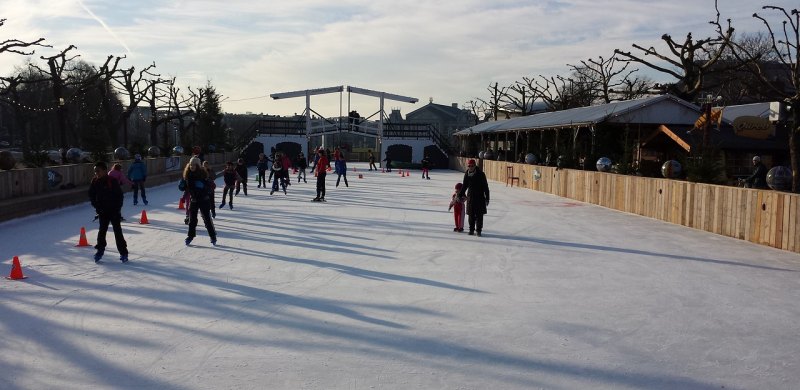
476, 189
212, 177
137, 173
277, 173
262, 165
340, 166
230, 177
302, 165
106, 197
320, 172
371, 159
198, 185
457, 205
426, 167
241, 183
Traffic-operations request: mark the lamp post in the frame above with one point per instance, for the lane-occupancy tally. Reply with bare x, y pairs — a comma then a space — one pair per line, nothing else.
706, 103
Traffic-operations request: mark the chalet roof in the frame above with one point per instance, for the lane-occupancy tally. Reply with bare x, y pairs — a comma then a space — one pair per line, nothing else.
451, 111
584, 116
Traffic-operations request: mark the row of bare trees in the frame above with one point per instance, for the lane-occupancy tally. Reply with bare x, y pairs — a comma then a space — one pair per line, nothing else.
64, 101
756, 67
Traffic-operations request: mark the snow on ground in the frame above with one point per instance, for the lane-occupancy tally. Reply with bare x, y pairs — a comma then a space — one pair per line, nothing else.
373, 289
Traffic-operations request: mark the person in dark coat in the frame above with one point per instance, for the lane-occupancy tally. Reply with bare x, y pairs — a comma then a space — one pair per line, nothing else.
106, 197
137, 173
476, 189
262, 165
241, 169
759, 177
302, 164
199, 186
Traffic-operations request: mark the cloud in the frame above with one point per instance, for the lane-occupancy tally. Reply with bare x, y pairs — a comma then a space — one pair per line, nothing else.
449, 50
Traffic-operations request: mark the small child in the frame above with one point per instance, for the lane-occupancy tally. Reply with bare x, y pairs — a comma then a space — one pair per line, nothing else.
116, 173
230, 176
459, 211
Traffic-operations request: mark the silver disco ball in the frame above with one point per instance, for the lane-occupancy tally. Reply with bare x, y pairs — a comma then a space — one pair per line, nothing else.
779, 178
177, 151
604, 164
671, 169
153, 151
74, 155
480, 154
121, 153
488, 155
530, 158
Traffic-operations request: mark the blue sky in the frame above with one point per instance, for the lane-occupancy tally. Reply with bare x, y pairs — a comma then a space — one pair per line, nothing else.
447, 51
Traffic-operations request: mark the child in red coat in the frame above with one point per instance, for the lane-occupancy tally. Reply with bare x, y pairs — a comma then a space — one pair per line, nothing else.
459, 212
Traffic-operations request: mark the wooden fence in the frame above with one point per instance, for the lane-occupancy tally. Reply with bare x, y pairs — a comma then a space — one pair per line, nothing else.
761, 216
18, 183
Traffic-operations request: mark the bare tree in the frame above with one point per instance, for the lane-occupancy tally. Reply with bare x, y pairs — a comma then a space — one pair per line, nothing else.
133, 86
17, 46
495, 99
693, 59
518, 96
561, 93
785, 45
610, 81
478, 109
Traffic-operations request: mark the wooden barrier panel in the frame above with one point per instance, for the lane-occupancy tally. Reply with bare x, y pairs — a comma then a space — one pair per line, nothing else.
761, 216
17, 183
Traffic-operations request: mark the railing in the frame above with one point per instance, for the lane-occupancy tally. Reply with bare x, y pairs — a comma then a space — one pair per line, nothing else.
761, 216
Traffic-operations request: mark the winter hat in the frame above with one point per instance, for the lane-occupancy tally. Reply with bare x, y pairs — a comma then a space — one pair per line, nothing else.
756, 159
137, 157
471, 162
458, 186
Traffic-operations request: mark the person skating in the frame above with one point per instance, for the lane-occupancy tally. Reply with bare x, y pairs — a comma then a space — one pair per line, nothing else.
106, 197
302, 165
426, 166
212, 176
340, 166
371, 159
476, 189
230, 177
321, 172
457, 205
277, 172
137, 173
388, 161
241, 183
286, 180
262, 166
199, 186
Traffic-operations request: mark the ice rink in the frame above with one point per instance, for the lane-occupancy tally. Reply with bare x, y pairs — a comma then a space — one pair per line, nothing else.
374, 290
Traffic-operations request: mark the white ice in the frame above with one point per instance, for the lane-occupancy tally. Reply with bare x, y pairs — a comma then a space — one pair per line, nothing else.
373, 290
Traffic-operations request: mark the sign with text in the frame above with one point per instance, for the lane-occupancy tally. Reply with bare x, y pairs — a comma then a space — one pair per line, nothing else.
753, 127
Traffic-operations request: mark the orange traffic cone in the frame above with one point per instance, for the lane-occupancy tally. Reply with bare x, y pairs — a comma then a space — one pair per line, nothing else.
383, 170
16, 270
82, 241
182, 204
407, 174
400, 171
360, 176
143, 220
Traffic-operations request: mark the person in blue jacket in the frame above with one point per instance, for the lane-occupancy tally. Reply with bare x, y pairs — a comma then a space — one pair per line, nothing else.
137, 173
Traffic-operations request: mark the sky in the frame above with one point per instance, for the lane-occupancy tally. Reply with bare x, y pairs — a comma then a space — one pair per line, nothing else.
446, 51
374, 290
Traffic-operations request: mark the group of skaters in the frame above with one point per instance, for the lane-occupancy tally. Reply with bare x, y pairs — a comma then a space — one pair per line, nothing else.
471, 196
